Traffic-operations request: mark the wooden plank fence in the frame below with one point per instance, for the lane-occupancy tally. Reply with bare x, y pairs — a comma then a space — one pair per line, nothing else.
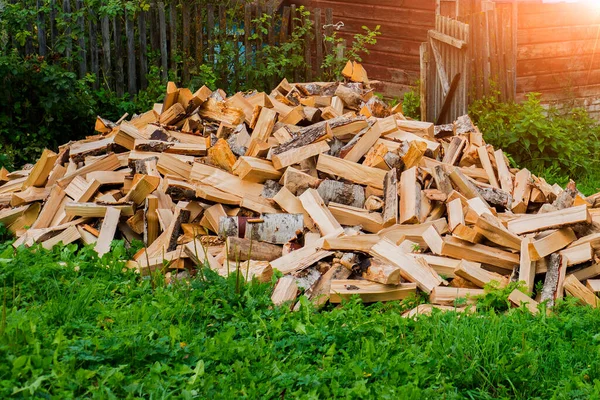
175, 36
469, 55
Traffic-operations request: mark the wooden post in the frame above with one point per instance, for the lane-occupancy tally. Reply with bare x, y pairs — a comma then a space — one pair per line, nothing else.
142, 18
94, 62
210, 30
81, 40
319, 41
293, 23
173, 36
131, 72
199, 36
515, 24
53, 31
106, 60
423, 83
185, 10
69, 45
307, 51
247, 31
163, 41
285, 25
153, 27
117, 29
41, 28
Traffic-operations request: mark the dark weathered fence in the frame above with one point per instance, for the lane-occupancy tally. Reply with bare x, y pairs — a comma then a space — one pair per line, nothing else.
120, 46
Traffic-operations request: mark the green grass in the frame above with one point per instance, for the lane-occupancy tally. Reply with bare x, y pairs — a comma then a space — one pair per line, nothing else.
76, 326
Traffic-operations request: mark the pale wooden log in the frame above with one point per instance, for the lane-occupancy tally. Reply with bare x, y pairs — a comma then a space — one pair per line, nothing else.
397, 233
467, 233
522, 191
141, 189
276, 228
351, 243
300, 259
241, 249
479, 253
366, 141
107, 230
552, 288
579, 254
454, 150
322, 217
576, 289
391, 208
493, 230
49, 211
479, 276
416, 151
224, 181
41, 170
150, 220
550, 220
343, 193
350, 216
433, 240
291, 204
109, 162
297, 181
551, 243
464, 186
369, 292
296, 155
95, 210
318, 294
29, 195
351, 171
586, 273
527, 267
213, 215
504, 176
518, 298
286, 290
444, 295
410, 197
382, 272
255, 169
69, 235
374, 203
455, 214
218, 111
412, 269
484, 158
442, 181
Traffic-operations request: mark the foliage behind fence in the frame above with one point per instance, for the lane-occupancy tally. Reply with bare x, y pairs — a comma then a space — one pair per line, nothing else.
250, 45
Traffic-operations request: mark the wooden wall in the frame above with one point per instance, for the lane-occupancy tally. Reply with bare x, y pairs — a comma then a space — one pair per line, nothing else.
559, 53
394, 60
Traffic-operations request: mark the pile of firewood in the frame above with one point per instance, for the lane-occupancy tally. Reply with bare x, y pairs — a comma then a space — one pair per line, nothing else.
321, 181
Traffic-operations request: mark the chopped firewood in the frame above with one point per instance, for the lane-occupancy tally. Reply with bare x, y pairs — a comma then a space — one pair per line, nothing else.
107, 231
451, 296
296, 155
412, 269
519, 298
410, 197
343, 193
285, 290
457, 248
374, 203
369, 292
479, 276
579, 254
255, 169
550, 242
577, 289
351, 171
555, 219
555, 276
320, 214
244, 249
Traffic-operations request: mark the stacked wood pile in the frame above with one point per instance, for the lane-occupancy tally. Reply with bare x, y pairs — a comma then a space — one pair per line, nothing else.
321, 181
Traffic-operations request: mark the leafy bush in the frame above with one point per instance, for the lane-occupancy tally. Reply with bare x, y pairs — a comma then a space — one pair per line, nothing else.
47, 105
411, 105
549, 142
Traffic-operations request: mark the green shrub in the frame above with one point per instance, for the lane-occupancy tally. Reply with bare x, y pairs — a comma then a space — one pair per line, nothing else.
551, 143
411, 105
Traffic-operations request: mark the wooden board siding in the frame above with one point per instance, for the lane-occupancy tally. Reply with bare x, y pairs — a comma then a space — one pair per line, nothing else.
558, 53
394, 60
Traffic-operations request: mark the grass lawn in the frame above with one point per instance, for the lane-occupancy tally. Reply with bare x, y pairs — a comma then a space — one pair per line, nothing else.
73, 328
